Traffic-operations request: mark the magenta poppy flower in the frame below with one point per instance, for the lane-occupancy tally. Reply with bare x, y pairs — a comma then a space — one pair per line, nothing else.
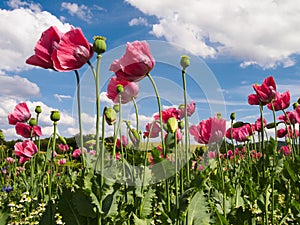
286, 150
62, 161
209, 131
135, 64
282, 101
25, 150
257, 124
265, 93
154, 131
297, 113
72, 52
190, 109
63, 147
167, 114
21, 113
27, 131
131, 90
124, 142
76, 153
240, 134
44, 48
289, 118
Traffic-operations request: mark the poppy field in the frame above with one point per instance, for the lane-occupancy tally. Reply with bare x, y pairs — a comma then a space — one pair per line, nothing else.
236, 173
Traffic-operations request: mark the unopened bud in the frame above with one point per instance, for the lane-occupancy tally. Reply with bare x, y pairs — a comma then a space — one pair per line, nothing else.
232, 116
295, 105
116, 108
1, 136
238, 124
172, 124
99, 45
110, 115
271, 125
38, 109
55, 115
184, 61
62, 139
181, 106
219, 115
181, 125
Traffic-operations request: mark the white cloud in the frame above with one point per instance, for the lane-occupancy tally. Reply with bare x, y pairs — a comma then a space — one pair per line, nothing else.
16, 4
61, 97
82, 12
257, 32
20, 30
18, 87
138, 21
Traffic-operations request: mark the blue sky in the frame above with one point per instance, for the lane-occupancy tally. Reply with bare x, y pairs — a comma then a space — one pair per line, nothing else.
232, 46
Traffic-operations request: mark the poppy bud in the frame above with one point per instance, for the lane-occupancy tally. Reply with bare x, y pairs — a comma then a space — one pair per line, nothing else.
295, 105
271, 125
184, 61
238, 124
181, 124
120, 88
232, 116
219, 115
38, 109
99, 45
110, 115
62, 139
32, 122
172, 124
181, 106
55, 116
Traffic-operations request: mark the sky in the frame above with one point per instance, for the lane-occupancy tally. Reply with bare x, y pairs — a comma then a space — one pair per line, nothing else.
232, 45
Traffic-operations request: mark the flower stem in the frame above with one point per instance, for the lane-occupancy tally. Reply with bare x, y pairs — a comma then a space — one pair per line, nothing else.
79, 118
186, 125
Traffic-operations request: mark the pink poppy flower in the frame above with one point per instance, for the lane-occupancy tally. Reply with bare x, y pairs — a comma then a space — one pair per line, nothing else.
131, 90
63, 147
72, 52
286, 150
209, 131
44, 48
124, 142
281, 132
265, 93
154, 132
282, 101
190, 109
76, 153
167, 114
25, 150
240, 134
21, 113
62, 161
27, 131
257, 124
289, 118
297, 113
135, 63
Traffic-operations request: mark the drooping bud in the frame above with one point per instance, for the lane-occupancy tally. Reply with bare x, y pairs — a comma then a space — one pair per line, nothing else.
32, 122
110, 115
55, 115
38, 109
238, 124
172, 124
62, 139
298, 100
120, 88
232, 116
271, 125
99, 44
185, 61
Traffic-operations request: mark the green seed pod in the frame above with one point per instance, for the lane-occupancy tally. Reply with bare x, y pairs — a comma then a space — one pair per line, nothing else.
55, 115
38, 109
120, 88
99, 44
232, 116
32, 122
185, 61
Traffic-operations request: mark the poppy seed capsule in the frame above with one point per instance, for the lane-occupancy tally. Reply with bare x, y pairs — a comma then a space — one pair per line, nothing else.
99, 44
120, 88
55, 115
232, 116
32, 122
184, 61
38, 109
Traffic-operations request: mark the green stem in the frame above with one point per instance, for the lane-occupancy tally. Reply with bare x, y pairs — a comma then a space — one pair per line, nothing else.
136, 118
186, 125
79, 119
97, 83
176, 176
